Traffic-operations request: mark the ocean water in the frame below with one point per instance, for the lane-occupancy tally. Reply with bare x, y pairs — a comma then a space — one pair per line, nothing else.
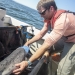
22, 13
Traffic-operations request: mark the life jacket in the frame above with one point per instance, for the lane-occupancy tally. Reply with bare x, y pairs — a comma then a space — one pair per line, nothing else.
57, 14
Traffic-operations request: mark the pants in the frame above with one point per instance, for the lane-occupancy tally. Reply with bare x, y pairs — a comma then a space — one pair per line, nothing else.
67, 59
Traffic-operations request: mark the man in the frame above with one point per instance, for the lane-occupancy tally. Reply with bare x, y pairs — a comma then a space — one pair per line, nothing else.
63, 24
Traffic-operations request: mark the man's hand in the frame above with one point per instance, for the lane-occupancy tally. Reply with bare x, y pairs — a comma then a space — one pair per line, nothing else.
46, 53
20, 67
26, 48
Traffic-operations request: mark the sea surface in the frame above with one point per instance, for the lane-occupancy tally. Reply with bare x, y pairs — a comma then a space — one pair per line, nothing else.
22, 13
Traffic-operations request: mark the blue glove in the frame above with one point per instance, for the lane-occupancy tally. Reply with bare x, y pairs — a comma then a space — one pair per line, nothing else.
26, 48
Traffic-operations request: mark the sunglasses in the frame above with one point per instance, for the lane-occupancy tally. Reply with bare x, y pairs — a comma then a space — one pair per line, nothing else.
43, 13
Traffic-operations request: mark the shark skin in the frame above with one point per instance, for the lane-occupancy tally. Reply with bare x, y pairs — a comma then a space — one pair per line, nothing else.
8, 64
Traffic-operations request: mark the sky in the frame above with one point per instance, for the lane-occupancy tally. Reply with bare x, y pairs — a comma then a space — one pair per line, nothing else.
62, 4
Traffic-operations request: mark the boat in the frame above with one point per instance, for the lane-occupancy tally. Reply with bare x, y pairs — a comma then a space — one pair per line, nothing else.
12, 29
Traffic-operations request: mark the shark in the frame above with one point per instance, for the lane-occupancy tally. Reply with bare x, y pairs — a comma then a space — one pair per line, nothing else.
8, 64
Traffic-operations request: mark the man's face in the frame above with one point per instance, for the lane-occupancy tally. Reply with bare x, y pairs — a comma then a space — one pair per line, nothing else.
45, 13
42, 11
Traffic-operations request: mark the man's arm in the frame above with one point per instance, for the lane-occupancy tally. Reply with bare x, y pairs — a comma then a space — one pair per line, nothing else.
21, 66
38, 36
39, 52
40, 63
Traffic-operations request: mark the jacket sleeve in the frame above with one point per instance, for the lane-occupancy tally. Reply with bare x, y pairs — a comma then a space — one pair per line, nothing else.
59, 29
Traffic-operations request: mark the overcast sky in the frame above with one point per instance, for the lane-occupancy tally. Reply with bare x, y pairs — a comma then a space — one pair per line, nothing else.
63, 4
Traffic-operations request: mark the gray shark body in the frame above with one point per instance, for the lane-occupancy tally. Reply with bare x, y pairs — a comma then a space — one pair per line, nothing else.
8, 64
